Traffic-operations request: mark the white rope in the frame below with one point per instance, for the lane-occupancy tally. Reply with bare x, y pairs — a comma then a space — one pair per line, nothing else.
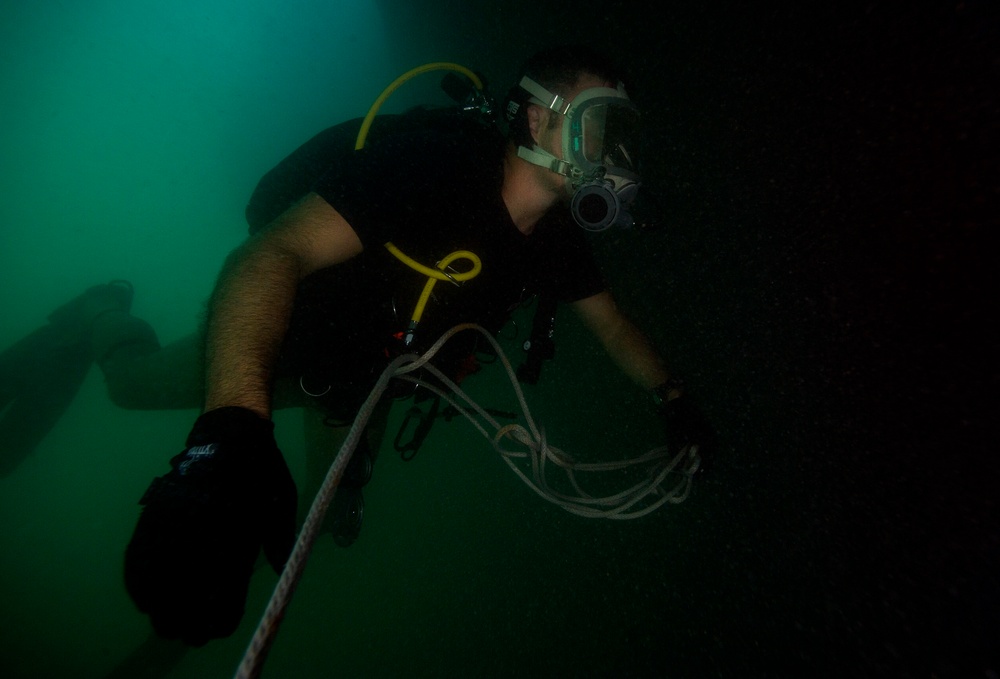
535, 448
267, 628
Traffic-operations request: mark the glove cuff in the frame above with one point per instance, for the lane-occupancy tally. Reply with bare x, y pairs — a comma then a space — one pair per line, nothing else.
230, 422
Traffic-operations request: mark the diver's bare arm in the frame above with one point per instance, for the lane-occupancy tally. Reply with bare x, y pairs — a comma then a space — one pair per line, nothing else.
252, 301
625, 343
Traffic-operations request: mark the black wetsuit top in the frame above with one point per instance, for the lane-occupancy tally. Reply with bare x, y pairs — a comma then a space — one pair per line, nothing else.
430, 191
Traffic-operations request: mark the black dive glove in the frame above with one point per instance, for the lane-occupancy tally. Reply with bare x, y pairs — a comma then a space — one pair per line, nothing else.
203, 524
683, 422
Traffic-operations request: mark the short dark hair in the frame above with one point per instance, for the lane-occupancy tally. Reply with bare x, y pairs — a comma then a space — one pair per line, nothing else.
557, 69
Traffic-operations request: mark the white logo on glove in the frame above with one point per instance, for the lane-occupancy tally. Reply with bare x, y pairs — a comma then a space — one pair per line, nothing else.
194, 454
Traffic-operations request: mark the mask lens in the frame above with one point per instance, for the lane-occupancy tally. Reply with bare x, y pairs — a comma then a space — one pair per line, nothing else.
594, 121
618, 143
606, 133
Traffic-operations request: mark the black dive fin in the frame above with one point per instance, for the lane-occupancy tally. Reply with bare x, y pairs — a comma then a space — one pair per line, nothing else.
39, 376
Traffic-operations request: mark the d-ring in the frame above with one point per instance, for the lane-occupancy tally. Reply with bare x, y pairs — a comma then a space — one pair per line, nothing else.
302, 386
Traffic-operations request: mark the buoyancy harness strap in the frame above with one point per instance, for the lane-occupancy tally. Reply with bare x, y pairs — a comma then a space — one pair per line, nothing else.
540, 345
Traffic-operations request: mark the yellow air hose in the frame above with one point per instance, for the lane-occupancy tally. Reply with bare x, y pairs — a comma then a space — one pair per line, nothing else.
395, 85
433, 275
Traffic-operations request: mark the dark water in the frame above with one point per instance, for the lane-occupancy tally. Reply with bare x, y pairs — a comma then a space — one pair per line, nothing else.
817, 268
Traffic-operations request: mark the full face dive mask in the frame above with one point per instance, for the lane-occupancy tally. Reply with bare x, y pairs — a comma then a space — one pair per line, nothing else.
597, 149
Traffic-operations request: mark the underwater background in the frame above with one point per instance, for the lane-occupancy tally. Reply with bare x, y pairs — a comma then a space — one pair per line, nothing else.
819, 182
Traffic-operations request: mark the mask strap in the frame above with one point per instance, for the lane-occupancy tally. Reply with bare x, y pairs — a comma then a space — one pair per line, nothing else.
541, 96
539, 156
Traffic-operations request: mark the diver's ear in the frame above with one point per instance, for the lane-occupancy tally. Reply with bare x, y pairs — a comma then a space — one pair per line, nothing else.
535, 120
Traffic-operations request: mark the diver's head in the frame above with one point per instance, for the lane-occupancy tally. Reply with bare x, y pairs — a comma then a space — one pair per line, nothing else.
569, 114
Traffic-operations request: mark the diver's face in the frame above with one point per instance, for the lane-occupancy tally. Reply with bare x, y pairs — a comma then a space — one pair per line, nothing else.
548, 132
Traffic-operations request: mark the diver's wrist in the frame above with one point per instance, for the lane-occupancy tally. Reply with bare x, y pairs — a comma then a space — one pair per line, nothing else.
668, 391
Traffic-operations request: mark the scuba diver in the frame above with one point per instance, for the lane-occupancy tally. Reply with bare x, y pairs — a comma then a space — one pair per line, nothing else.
307, 311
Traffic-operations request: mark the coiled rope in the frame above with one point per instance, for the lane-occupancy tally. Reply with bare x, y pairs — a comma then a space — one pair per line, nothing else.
634, 502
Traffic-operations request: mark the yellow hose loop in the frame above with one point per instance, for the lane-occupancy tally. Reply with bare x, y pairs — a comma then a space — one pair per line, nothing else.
426, 68
438, 274
433, 276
